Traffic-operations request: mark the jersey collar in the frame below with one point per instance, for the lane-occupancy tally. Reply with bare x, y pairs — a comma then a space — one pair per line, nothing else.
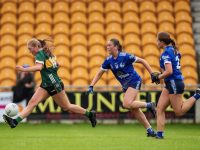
117, 56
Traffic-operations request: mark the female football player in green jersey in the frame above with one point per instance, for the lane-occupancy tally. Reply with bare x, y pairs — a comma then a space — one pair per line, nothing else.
51, 85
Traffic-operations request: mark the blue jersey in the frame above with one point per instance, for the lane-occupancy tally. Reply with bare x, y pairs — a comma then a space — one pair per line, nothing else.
169, 56
122, 68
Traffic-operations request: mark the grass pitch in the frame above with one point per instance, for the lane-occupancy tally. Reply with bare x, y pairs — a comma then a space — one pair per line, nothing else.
103, 137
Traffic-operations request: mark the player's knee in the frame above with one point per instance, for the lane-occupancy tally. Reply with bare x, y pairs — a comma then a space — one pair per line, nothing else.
126, 104
159, 109
178, 113
135, 111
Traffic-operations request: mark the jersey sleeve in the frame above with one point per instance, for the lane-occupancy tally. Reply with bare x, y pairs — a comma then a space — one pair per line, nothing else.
39, 58
106, 65
166, 58
131, 58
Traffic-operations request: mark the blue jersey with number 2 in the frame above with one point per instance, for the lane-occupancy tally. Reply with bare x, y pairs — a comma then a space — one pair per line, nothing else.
169, 56
122, 68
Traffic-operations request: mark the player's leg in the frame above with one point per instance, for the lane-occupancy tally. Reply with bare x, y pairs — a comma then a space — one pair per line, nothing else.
139, 115
62, 100
179, 105
130, 101
133, 105
39, 95
163, 103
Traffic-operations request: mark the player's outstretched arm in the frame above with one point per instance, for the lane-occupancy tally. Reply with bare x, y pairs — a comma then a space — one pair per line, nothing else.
154, 75
36, 67
145, 64
97, 77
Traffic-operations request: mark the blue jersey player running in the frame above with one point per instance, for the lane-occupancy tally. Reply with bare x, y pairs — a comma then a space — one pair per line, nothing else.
121, 64
174, 86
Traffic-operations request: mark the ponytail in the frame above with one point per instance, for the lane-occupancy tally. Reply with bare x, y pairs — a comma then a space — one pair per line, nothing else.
42, 43
45, 45
174, 46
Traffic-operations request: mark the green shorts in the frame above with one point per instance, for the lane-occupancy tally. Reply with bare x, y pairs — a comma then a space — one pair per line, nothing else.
54, 89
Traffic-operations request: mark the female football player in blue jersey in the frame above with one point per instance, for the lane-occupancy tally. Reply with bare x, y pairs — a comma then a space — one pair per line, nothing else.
121, 64
174, 86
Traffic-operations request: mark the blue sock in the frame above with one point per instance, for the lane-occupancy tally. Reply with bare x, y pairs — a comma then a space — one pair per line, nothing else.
148, 105
160, 134
196, 96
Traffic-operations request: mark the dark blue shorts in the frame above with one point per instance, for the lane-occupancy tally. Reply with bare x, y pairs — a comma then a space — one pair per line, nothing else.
136, 85
175, 86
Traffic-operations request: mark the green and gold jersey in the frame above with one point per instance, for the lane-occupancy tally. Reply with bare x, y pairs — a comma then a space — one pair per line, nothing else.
49, 71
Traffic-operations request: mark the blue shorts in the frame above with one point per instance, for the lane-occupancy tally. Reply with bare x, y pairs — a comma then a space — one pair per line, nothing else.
175, 86
136, 85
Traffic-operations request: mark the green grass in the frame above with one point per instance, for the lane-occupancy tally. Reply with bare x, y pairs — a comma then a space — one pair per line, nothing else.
103, 137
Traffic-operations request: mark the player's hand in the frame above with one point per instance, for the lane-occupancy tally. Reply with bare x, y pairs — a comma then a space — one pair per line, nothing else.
90, 90
19, 68
155, 78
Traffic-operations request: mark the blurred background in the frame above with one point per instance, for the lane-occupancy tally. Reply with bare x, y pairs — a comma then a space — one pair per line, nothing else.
81, 28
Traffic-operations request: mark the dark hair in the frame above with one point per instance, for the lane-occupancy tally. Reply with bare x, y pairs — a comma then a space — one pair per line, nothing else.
45, 47
116, 43
165, 37
42, 42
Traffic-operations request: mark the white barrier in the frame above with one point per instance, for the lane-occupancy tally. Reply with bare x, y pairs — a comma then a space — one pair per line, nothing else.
197, 112
5, 98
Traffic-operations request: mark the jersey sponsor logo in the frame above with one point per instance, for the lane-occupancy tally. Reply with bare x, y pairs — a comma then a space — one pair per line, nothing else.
121, 75
165, 57
52, 78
